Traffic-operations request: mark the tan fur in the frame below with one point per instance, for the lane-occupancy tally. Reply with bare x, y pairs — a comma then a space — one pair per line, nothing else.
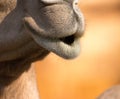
24, 87
29, 30
5, 7
112, 93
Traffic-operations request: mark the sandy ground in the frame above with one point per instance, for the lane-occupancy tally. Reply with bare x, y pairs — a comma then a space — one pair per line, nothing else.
98, 66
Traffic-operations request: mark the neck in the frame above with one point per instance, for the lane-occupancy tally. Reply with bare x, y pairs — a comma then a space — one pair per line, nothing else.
21, 86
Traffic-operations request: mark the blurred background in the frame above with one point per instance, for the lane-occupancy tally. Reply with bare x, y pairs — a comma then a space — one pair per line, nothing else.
98, 66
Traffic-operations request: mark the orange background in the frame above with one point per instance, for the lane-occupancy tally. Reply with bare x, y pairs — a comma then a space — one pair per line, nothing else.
98, 66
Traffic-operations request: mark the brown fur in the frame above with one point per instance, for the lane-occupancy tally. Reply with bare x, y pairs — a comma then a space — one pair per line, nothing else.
29, 30
5, 7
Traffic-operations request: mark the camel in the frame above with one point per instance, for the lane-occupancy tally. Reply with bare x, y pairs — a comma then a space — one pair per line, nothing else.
29, 31
112, 93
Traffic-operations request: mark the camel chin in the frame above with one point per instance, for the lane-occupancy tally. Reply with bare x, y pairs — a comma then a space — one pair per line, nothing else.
67, 47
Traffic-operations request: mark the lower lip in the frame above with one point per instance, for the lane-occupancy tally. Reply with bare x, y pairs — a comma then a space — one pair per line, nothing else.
59, 47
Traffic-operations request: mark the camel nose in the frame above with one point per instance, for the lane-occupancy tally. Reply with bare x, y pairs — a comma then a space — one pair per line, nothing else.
51, 1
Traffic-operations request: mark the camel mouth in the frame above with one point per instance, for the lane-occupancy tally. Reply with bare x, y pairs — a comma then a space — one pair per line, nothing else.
68, 40
67, 46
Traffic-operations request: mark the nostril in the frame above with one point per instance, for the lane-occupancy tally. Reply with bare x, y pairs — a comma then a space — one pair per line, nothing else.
75, 3
75, 6
51, 1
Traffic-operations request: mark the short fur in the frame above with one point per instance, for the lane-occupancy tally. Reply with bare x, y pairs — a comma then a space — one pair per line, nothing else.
29, 30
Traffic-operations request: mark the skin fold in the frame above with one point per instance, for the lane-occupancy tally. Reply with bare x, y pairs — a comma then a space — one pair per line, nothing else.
30, 30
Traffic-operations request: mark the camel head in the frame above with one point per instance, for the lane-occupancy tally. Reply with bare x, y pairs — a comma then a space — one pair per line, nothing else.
33, 28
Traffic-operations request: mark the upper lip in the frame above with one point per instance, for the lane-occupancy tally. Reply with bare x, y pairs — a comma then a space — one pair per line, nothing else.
37, 30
